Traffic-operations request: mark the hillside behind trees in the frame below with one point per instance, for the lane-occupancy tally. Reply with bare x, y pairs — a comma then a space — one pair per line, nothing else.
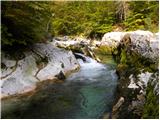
25, 23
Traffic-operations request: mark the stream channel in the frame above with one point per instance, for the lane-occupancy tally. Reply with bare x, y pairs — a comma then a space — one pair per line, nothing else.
88, 93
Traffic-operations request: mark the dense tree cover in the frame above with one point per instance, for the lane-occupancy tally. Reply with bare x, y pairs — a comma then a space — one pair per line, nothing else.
143, 15
24, 22
93, 19
29, 22
84, 18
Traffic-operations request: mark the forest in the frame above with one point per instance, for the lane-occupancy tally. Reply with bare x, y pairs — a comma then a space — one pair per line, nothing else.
25, 23
80, 59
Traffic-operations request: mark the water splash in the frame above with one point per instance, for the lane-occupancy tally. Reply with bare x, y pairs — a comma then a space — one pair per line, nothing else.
85, 94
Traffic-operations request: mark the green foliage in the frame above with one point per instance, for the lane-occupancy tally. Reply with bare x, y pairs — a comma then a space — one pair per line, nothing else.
24, 22
134, 22
27, 22
123, 56
142, 15
90, 19
151, 107
94, 19
121, 68
104, 50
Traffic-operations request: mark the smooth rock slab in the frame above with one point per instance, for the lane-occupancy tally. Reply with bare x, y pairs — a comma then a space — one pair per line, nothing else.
27, 73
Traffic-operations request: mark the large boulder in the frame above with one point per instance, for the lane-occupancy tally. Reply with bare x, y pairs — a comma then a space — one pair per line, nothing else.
137, 57
42, 62
112, 39
144, 43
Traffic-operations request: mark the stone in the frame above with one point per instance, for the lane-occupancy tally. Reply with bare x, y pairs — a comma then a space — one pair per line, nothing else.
60, 76
112, 39
80, 45
80, 56
132, 82
140, 51
118, 104
144, 42
24, 74
144, 77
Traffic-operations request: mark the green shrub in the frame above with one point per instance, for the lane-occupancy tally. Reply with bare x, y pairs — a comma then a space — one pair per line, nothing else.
151, 108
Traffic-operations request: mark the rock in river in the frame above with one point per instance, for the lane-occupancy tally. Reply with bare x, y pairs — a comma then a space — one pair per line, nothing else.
42, 62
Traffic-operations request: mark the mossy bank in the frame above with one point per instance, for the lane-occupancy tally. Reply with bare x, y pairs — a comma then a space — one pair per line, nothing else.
138, 77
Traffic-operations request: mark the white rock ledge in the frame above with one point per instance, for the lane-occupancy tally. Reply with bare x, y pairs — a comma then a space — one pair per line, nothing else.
27, 74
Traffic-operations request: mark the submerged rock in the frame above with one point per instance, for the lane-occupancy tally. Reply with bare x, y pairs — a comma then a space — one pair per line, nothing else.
42, 62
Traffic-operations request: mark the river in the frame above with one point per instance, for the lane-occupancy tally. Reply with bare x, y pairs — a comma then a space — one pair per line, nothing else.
88, 93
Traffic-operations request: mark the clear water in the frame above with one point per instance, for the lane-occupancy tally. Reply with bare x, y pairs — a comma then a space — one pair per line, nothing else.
87, 93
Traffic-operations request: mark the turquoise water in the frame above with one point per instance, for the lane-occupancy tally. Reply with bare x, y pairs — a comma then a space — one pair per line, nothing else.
88, 93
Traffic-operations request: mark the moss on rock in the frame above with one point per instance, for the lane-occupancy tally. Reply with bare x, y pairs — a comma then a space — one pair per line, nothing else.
131, 62
103, 49
123, 57
151, 107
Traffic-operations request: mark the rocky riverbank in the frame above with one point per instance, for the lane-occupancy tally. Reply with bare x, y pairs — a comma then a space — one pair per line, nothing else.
137, 92
136, 54
41, 62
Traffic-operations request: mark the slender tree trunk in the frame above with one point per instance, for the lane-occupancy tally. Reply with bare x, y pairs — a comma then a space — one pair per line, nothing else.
121, 10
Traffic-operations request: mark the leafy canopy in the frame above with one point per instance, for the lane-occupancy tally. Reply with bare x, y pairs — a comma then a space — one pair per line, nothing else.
24, 22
